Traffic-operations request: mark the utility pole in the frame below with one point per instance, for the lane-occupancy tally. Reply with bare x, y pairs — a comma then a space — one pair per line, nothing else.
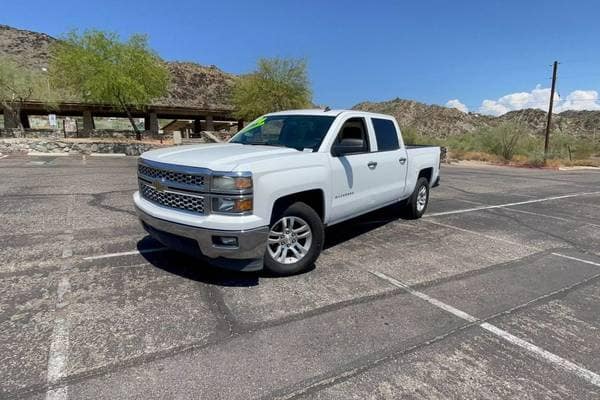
547, 141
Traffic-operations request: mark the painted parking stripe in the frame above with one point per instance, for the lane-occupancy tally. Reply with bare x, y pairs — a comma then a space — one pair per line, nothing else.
425, 297
550, 216
3, 156
125, 253
577, 259
518, 203
483, 235
586, 374
59, 346
558, 361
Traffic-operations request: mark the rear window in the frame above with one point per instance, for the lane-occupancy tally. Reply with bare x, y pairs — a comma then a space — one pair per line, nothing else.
386, 134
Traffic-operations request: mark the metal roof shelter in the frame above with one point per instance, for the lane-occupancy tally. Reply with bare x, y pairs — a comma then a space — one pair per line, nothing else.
151, 114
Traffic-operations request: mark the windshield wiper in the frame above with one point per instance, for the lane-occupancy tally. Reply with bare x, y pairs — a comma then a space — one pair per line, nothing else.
299, 148
257, 143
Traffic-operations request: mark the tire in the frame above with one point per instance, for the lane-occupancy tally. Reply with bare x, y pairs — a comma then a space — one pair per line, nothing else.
417, 204
292, 251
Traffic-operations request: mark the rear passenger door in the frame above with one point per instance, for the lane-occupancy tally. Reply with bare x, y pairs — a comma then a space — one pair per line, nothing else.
392, 161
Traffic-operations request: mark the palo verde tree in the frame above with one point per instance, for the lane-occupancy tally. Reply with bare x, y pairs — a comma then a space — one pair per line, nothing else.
101, 68
18, 85
277, 84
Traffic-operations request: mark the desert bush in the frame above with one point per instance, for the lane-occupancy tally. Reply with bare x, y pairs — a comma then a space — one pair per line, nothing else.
585, 163
19, 84
536, 159
480, 156
277, 84
456, 154
411, 136
505, 140
101, 68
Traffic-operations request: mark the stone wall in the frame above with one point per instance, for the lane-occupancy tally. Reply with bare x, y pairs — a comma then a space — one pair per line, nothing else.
58, 134
74, 146
444, 154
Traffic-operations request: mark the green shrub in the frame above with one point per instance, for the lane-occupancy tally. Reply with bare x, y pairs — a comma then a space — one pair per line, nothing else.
277, 84
536, 159
411, 136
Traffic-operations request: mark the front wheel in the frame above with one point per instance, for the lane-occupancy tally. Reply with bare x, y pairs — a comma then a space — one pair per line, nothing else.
418, 201
295, 240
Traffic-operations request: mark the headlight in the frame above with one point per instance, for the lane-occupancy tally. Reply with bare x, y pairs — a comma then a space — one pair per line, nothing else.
231, 205
231, 183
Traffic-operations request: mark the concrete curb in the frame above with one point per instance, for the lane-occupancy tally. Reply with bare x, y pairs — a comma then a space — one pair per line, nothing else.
578, 168
39, 154
107, 155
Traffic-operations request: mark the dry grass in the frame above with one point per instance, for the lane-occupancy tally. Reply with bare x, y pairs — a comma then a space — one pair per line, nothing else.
520, 160
459, 155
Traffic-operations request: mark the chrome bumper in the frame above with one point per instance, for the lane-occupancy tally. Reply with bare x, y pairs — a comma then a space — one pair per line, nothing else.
252, 243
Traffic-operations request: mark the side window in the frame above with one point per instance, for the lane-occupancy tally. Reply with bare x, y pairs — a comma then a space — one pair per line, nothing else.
354, 133
386, 134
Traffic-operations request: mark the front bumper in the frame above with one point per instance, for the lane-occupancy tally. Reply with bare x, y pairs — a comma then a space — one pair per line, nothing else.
250, 249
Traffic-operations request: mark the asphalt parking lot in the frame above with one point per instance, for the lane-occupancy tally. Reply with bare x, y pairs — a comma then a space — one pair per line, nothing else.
494, 294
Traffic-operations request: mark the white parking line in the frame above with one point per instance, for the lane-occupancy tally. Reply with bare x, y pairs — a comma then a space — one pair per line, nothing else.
465, 210
551, 217
583, 373
577, 259
483, 234
59, 346
126, 253
3, 156
59, 341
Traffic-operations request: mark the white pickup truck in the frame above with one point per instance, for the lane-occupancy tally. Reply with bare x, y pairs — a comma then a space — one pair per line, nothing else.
265, 197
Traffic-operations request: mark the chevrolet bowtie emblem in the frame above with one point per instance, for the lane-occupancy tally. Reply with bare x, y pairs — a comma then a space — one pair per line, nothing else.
159, 185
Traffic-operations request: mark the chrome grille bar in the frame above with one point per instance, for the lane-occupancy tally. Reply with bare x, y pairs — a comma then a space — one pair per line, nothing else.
172, 198
180, 180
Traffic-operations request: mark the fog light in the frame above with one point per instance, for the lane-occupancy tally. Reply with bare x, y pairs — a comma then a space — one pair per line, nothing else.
227, 241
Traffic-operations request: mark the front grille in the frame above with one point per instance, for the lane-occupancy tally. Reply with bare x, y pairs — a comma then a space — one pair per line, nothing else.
171, 176
172, 199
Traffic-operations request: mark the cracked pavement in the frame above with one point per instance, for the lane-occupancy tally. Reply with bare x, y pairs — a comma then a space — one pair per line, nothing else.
138, 324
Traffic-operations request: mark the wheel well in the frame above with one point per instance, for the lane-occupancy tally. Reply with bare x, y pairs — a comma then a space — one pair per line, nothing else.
313, 198
426, 173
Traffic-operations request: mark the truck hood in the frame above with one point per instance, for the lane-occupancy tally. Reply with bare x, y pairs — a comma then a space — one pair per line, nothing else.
216, 156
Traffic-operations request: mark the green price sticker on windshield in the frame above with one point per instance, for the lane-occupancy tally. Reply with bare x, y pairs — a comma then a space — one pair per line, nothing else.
260, 122
256, 124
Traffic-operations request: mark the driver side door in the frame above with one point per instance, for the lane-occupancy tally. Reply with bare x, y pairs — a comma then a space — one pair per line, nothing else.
353, 170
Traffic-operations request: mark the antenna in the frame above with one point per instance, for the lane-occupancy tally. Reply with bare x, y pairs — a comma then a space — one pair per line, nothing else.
327, 109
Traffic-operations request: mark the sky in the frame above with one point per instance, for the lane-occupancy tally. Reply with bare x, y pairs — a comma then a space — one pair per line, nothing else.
480, 56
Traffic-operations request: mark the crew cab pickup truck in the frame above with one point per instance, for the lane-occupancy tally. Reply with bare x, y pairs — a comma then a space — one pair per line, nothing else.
264, 198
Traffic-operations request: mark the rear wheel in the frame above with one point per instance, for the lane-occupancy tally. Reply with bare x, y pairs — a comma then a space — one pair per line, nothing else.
418, 201
295, 240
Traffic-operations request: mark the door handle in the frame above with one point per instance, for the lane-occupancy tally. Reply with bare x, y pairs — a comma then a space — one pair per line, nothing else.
372, 164
402, 160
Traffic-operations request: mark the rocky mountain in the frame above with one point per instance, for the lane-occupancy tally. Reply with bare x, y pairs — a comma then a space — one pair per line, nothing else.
208, 87
442, 122
25, 47
196, 85
191, 84
428, 119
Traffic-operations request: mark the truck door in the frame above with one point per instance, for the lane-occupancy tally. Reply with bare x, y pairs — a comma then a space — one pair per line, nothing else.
391, 160
353, 170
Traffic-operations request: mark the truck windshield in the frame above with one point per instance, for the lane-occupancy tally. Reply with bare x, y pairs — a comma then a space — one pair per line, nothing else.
296, 131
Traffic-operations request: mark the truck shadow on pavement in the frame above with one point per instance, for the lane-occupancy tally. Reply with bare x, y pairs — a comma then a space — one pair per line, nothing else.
358, 226
199, 270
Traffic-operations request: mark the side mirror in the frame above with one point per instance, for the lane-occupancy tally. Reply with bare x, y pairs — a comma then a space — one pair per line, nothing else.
348, 146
